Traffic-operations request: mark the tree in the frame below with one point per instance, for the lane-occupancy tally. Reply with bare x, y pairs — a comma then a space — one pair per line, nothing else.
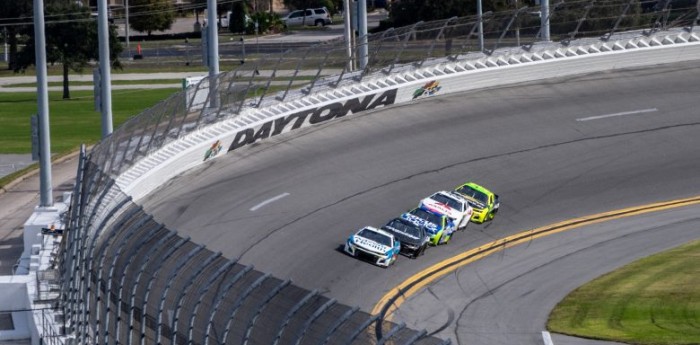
151, 15
238, 13
71, 40
406, 12
15, 12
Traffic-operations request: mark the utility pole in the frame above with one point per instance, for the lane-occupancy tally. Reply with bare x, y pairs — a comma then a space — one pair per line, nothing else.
348, 33
45, 188
362, 33
213, 52
544, 18
105, 65
126, 25
480, 13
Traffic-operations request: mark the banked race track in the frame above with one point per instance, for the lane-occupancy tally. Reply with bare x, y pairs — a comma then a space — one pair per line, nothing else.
220, 217
554, 150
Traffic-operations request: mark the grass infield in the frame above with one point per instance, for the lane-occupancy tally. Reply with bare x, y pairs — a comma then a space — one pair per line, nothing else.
655, 300
73, 121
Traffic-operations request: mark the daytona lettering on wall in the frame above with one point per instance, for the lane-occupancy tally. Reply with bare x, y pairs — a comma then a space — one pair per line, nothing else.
312, 116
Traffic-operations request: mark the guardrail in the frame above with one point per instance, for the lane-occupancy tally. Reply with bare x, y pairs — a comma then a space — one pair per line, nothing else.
128, 279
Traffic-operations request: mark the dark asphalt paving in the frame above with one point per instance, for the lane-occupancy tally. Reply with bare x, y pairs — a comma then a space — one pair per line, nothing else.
526, 142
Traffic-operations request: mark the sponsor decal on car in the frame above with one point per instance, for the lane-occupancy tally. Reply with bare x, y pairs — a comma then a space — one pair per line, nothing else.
439, 207
371, 245
312, 116
429, 89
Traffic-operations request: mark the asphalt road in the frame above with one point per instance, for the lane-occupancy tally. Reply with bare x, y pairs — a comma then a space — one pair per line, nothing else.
553, 150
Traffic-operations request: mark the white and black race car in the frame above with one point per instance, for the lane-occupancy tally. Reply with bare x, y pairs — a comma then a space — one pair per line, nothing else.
375, 245
450, 204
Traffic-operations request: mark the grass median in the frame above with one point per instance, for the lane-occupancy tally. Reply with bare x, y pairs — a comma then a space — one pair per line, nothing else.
73, 121
655, 300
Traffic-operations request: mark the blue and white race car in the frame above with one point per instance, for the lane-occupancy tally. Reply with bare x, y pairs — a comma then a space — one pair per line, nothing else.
379, 246
439, 226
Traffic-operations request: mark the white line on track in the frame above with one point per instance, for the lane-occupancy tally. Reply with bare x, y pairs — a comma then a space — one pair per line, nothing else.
273, 199
634, 112
547, 338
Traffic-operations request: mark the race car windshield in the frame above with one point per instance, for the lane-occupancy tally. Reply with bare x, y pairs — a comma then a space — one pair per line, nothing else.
473, 193
375, 236
407, 229
441, 198
428, 216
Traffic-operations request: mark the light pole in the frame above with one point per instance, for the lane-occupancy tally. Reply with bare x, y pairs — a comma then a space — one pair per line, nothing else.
105, 65
348, 33
45, 188
480, 13
544, 17
126, 25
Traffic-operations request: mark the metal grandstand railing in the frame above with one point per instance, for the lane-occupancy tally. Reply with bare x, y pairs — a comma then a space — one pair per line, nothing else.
127, 279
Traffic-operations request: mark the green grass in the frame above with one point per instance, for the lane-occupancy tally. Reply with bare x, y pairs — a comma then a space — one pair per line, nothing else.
114, 82
655, 300
72, 122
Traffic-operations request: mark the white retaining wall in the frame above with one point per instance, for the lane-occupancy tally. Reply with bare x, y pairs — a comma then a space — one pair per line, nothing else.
379, 90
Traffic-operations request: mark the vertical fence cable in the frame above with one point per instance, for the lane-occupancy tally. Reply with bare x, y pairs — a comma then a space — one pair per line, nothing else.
220, 299
142, 326
87, 253
239, 302
101, 256
338, 322
181, 298
580, 22
260, 307
137, 281
217, 276
126, 271
270, 79
419, 335
312, 318
115, 257
516, 14
292, 312
391, 333
168, 282
622, 16
468, 38
437, 37
361, 329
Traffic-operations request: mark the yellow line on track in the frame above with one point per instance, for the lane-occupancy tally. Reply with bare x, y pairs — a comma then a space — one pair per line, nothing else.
393, 299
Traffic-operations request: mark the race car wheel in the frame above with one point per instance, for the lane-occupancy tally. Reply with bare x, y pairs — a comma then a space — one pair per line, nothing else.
490, 215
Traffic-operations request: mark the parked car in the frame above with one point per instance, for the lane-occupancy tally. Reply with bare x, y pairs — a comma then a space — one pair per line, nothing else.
310, 16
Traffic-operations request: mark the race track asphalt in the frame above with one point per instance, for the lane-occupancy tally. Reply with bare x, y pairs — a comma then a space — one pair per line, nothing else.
553, 150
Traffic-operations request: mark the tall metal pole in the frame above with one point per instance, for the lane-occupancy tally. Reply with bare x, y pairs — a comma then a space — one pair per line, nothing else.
362, 32
105, 65
45, 187
480, 13
348, 32
213, 47
126, 26
544, 17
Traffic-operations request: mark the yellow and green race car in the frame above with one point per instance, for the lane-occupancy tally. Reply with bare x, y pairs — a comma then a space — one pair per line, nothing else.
484, 202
